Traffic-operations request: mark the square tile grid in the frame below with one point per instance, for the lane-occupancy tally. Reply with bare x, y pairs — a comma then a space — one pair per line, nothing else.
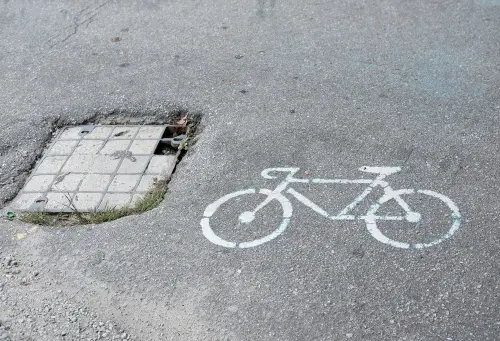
91, 168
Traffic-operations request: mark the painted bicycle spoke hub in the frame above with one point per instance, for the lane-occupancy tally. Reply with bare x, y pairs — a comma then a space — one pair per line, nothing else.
99, 167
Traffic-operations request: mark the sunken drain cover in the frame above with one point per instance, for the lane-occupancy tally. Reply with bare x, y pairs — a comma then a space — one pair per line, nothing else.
92, 168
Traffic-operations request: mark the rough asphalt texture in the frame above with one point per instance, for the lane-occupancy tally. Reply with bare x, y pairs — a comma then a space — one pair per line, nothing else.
327, 86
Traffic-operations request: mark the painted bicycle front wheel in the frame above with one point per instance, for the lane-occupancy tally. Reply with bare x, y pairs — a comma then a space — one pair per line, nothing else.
434, 219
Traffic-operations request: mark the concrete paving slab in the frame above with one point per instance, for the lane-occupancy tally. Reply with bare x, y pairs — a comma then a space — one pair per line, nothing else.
88, 147
67, 182
112, 147
143, 147
147, 182
87, 202
124, 133
97, 161
136, 166
39, 183
78, 163
99, 133
161, 164
59, 202
124, 183
150, 132
24, 201
103, 164
95, 182
62, 147
51, 165
114, 201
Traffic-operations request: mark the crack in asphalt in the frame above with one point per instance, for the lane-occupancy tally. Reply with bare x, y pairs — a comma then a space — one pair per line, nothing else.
78, 20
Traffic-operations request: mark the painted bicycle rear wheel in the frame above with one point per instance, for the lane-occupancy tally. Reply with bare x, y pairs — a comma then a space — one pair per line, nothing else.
263, 221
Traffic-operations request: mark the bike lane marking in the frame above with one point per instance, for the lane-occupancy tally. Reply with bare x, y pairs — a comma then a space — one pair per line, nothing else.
370, 218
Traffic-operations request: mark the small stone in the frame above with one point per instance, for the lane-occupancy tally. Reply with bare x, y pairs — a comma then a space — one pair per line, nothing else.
124, 336
64, 333
348, 335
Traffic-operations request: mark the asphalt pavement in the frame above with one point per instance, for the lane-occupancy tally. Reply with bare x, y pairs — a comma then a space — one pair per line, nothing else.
323, 86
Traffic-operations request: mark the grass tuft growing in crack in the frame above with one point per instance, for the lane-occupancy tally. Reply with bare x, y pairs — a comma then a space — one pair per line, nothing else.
150, 200
37, 218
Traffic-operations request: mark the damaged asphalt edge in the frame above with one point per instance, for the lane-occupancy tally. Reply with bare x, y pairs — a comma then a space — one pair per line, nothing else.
118, 116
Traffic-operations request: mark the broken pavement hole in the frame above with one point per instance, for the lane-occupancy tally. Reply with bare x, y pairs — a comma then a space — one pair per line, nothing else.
99, 171
172, 140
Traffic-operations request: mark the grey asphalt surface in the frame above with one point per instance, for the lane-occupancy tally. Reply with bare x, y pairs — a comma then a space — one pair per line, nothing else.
327, 86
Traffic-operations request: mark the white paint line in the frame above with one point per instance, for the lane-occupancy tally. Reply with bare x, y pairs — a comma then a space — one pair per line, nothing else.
455, 214
267, 238
342, 217
210, 235
291, 170
380, 170
285, 203
371, 225
215, 205
356, 201
389, 191
383, 217
341, 181
307, 202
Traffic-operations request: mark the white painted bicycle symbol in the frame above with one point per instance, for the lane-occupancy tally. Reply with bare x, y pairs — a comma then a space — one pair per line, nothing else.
370, 217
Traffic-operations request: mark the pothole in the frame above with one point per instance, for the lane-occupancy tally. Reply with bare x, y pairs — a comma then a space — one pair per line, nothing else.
97, 172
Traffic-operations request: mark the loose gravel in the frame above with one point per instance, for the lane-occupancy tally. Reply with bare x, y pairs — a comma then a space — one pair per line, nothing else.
28, 314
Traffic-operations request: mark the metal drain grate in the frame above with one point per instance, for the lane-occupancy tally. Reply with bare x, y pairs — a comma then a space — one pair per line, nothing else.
90, 168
